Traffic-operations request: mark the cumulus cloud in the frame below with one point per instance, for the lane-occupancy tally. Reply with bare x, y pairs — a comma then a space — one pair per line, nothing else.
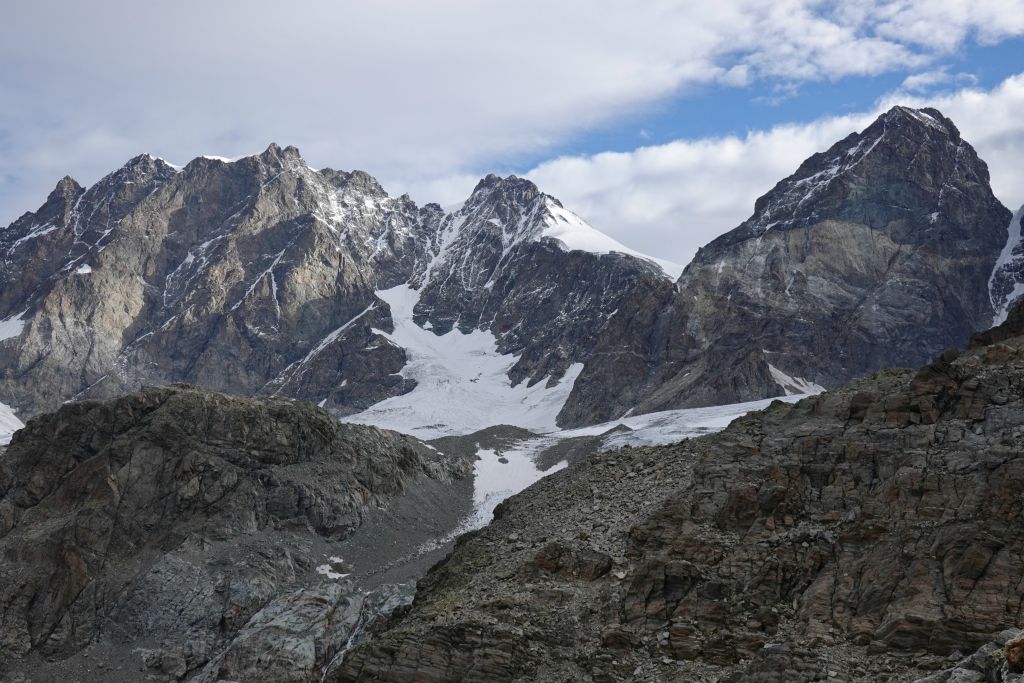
670, 199
420, 94
930, 80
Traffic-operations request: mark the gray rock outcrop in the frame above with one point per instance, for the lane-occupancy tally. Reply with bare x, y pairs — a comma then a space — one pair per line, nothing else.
194, 530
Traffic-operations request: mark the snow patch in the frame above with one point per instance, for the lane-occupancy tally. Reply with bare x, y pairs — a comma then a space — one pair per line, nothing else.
1005, 260
794, 386
462, 383
84, 269
672, 426
578, 235
12, 327
328, 571
9, 423
495, 480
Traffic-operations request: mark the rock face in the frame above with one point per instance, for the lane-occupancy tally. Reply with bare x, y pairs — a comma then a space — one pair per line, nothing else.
192, 524
828, 539
260, 277
876, 253
250, 277
503, 266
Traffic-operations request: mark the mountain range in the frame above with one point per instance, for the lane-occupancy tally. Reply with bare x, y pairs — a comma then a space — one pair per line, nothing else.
265, 277
592, 479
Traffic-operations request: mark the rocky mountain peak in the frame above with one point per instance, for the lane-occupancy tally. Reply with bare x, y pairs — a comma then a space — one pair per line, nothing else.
275, 152
879, 249
359, 182
60, 199
927, 120
496, 191
66, 186
910, 166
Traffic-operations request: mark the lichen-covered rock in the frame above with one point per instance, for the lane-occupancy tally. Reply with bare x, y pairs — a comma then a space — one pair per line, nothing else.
998, 661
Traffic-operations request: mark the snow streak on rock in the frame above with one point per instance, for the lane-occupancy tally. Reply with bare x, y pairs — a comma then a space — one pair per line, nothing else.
1007, 282
9, 423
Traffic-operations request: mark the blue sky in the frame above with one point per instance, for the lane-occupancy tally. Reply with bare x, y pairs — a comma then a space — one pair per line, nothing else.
659, 122
720, 110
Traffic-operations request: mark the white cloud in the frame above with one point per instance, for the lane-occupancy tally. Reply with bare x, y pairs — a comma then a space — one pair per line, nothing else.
925, 80
929, 80
670, 199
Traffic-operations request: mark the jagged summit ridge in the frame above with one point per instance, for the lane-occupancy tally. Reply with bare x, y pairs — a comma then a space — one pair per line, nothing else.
254, 275
264, 276
831, 178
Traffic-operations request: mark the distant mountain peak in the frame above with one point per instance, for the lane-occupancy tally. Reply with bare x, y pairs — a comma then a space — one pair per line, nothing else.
66, 186
926, 117
901, 161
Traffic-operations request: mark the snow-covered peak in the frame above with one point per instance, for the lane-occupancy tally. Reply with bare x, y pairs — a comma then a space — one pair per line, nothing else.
578, 235
518, 211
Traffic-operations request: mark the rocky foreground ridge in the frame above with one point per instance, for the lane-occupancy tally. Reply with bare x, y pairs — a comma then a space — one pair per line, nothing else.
261, 277
178, 532
871, 533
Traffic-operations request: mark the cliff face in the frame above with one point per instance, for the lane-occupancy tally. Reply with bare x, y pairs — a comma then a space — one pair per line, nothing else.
816, 540
875, 253
230, 275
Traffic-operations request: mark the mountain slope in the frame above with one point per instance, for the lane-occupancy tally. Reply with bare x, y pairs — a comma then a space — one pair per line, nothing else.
187, 529
869, 533
875, 253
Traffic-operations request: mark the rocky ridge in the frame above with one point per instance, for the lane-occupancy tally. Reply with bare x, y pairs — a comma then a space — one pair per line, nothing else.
259, 277
192, 534
870, 533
